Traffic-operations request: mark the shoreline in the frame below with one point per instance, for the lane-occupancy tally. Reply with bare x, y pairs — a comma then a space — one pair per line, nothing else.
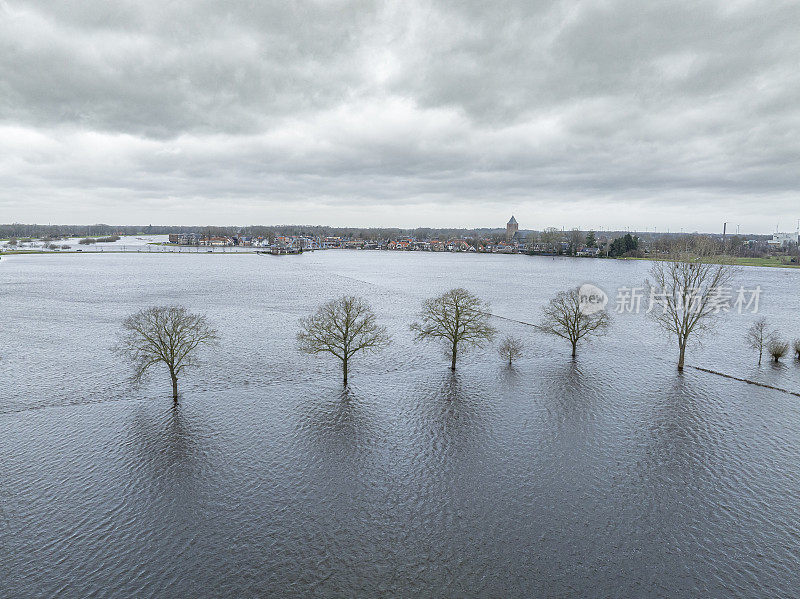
747, 262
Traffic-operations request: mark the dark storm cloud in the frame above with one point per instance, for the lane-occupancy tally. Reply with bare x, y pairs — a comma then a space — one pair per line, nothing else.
173, 104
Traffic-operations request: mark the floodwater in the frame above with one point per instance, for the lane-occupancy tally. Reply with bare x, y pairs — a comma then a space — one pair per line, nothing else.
611, 475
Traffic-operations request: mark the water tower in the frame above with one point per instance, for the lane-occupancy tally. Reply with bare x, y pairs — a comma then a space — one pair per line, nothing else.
511, 228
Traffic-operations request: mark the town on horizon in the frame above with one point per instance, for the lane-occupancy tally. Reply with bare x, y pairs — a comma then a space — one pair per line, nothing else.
777, 249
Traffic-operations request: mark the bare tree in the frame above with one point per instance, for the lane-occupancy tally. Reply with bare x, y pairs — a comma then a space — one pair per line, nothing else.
342, 327
759, 336
457, 318
510, 349
169, 335
777, 348
576, 238
551, 237
567, 316
689, 289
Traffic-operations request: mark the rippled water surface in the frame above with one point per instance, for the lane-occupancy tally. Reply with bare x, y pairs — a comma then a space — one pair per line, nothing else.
608, 476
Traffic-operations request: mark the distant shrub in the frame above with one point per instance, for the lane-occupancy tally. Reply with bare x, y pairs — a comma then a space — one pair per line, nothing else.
777, 349
65, 247
109, 239
52, 246
87, 241
510, 349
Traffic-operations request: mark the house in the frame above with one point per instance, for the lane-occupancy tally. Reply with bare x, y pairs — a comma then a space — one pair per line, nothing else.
218, 241
332, 242
784, 239
185, 238
589, 252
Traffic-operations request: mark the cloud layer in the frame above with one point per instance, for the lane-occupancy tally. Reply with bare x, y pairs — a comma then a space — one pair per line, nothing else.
595, 114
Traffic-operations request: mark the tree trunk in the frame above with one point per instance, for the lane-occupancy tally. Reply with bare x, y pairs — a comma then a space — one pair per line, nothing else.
344, 371
174, 387
760, 355
455, 353
574, 348
682, 356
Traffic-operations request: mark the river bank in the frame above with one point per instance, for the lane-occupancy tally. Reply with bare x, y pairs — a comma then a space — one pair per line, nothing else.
770, 262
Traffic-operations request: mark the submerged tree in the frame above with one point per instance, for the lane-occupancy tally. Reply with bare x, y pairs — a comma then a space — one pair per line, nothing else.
169, 335
568, 317
759, 336
777, 348
510, 349
342, 327
456, 318
689, 289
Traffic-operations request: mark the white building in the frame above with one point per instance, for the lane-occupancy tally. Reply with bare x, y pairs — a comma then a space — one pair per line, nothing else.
782, 239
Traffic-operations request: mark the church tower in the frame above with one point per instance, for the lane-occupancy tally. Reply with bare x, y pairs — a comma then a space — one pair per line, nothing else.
511, 228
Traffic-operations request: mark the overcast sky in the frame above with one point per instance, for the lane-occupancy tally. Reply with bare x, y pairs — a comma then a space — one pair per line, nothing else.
590, 114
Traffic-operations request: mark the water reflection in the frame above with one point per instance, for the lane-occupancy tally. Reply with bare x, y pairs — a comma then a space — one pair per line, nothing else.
452, 411
165, 448
339, 433
569, 399
684, 430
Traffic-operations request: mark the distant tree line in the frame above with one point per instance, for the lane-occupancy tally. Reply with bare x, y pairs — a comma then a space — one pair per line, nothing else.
627, 246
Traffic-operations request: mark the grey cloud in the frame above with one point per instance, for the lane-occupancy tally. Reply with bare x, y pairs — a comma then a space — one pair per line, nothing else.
657, 104
163, 69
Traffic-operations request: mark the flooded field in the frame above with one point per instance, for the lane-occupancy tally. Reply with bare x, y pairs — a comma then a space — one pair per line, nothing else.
611, 475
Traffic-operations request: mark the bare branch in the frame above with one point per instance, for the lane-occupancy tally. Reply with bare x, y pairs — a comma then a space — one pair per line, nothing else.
777, 348
566, 317
457, 318
687, 287
510, 349
759, 336
342, 327
168, 335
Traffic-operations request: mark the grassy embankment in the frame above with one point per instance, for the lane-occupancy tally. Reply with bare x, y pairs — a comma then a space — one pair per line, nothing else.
770, 262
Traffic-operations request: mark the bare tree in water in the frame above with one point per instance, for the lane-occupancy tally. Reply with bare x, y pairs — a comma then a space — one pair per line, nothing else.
342, 327
510, 349
457, 318
569, 317
168, 335
687, 290
777, 348
759, 336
